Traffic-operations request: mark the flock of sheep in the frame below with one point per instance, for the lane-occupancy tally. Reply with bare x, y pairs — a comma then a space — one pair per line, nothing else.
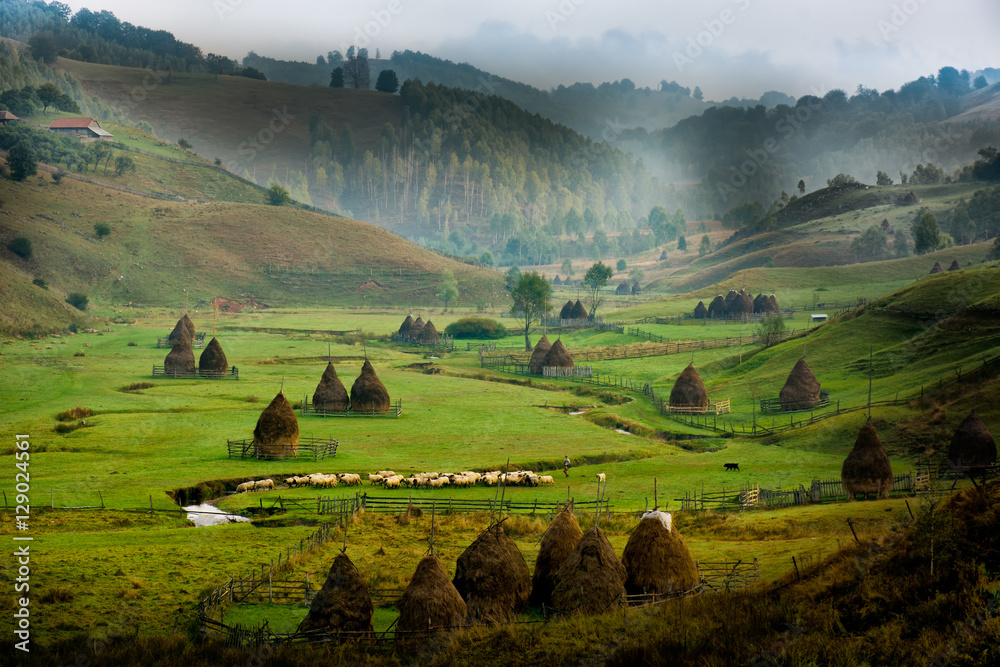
391, 480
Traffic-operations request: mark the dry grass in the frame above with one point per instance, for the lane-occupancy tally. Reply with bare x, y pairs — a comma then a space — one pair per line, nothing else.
136, 387
79, 412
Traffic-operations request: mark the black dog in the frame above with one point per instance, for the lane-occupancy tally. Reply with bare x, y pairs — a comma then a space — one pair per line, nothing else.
732, 466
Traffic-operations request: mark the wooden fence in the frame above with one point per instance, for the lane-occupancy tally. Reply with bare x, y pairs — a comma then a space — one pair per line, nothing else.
309, 449
198, 342
394, 412
769, 406
398, 504
444, 341
198, 374
717, 408
721, 576
573, 372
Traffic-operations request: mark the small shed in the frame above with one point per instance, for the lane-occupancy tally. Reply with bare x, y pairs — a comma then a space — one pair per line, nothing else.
818, 317
88, 129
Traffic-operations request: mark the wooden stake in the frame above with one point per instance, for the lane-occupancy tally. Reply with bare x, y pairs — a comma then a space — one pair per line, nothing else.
656, 502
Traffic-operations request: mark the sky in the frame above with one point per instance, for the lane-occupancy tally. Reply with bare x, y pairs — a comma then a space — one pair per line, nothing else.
729, 48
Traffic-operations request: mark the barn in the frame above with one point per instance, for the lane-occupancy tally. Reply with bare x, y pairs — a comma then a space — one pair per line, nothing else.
87, 129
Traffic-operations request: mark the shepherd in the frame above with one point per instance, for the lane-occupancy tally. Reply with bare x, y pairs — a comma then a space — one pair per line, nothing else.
566, 465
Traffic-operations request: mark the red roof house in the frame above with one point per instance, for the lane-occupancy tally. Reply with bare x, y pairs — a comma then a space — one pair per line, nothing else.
85, 128
7, 117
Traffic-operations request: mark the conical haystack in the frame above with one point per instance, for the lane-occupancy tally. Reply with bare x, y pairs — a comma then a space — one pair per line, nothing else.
567, 311
418, 324
937, 268
954, 266
741, 305
429, 603
579, 312
368, 394
344, 604
492, 578
700, 311
663, 255
558, 355
689, 391
866, 469
772, 303
536, 362
717, 308
180, 359
277, 432
760, 304
183, 328
330, 394
592, 580
557, 280
656, 558
623, 289
429, 334
801, 390
973, 445
636, 288
213, 358
730, 297
558, 542
404, 328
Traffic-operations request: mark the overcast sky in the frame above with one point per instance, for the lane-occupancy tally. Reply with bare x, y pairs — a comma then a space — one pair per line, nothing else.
728, 47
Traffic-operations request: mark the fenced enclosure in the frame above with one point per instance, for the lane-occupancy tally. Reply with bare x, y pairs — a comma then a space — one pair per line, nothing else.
198, 342
398, 504
722, 576
309, 449
574, 372
197, 374
770, 406
394, 411
444, 341
716, 408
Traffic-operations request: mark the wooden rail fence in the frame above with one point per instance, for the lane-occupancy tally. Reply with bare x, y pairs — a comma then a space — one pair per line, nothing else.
198, 342
394, 412
197, 374
310, 449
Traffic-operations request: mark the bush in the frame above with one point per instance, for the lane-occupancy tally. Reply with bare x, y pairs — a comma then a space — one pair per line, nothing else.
185, 144
38, 282
102, 229
277, 195
77, 300
21, 246
476, 327
79, 412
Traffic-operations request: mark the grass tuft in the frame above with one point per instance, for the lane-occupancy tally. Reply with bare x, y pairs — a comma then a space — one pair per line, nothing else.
79, 412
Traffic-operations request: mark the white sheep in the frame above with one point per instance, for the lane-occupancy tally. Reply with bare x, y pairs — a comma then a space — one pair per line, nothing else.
262, 484
350, 479
377, 478
393, 482
290, 481
546, 479
385, 474
601, 478
489, 479
244, 487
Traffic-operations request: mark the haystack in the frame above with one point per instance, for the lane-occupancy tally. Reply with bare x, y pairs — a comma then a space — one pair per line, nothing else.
183, 328
213, 358
973, 444
623, 289
700, 311
430, 602
636, 288
717, 308
418, 324
760, 304
558, 542
344, 604
954, 266
772, 303
536, 363
557, 280
567, 311
368, 394
558, 355
330, 394
741, 305
866, 469
579, 312
180, 359
592, 580
730, 297
492, 578
656, 558
663, 255
429, 334
277, 430
404, 328
689, 391
801, 390
937, 268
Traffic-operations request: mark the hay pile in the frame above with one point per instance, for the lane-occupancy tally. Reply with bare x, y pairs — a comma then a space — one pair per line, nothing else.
623, 289
558, 355
663, 255
404, 328
866, 468
492, 578
277, 430
415, 328
368, 394
937, 268
567, 311
591, 580
801, 390
740, 306
183, 329
636, 288
330, 394
760, 304
773, 304
717, 308
656, 558
430, 602
429, 334
700, 311
579, 312
213, 358
344, 604
689, 391
558, 542
180, 359
730, 297
537, 360
954, 266
972, 445
557, 280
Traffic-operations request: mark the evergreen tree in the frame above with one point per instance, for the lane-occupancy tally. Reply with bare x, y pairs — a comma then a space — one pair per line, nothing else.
387, 82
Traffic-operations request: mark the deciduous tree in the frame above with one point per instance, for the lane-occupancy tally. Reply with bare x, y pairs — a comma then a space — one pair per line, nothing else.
530, 301
595, 279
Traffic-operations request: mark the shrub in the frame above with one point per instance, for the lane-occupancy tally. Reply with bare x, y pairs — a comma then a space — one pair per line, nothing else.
77, 300
21, 246
185, 144
79, 412
39, 283
102, 229
476, 327
136, 387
